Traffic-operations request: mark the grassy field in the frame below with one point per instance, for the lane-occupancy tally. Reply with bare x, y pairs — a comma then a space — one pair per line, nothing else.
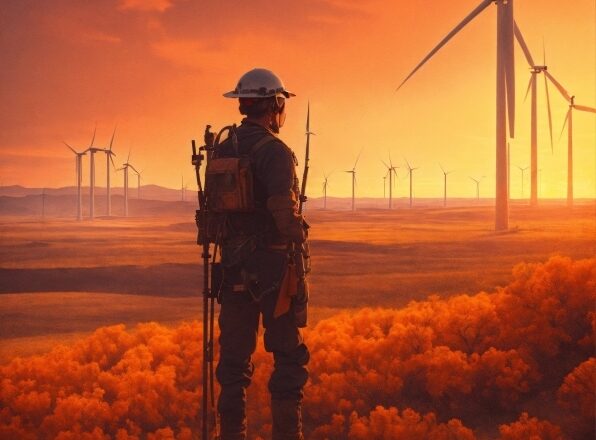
61, 279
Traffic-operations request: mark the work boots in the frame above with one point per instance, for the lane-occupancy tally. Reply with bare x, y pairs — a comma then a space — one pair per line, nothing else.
287, 420
232, 426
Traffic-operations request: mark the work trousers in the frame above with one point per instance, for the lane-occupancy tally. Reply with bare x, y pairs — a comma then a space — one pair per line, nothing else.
239, 322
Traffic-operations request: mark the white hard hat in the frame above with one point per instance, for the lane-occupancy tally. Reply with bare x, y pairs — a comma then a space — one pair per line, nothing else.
259, 83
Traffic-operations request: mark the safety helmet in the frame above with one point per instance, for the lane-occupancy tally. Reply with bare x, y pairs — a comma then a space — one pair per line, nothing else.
259, 83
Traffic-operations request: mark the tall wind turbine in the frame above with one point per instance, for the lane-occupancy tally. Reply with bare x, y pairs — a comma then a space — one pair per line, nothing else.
353, 173
385, 184
569, 123
477, 187
445, 174
410, 169
109, 154
505, 102
523, 170
391, 170
79, 179
535, 70
92, 150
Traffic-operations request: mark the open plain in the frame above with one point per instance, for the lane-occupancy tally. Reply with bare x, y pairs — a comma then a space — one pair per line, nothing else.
61, 279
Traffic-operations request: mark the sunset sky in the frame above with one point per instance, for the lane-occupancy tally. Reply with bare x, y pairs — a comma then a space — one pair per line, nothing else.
158, 69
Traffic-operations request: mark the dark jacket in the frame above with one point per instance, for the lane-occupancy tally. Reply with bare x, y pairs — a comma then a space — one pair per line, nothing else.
276, 192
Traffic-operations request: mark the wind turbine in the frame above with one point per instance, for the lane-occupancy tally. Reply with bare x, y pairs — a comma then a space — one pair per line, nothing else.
183, 189
477, 187
92, 150
125, 167
410, 169
353, 172
445, 173
79, 179
523, 170
391, 171
505, 102
109, 154
569, 123
535, 70
385, 185
325, 184
138, 182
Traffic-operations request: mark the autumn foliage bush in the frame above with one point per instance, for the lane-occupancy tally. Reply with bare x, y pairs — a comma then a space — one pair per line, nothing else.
458, 368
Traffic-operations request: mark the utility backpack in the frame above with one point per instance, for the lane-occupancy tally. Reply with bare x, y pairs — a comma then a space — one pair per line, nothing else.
229, 181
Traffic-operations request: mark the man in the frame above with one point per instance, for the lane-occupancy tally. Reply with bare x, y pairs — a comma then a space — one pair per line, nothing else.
255, 260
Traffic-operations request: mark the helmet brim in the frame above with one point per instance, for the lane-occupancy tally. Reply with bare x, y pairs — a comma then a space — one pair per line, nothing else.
251, 94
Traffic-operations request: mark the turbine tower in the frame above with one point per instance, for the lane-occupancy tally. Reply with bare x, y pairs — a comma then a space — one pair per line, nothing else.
569, 123
306, 156
353, 172
410, 169
535, 70
391, 171
523, 170
505, 88
385, 185
477, 187
92, 150
109, 154
445, 174
79, 179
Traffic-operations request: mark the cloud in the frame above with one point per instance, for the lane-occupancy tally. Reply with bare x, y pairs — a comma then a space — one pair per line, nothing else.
436, 369
146, 5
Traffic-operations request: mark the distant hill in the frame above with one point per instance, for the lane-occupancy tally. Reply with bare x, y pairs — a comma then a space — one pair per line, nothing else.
159, 201
152, 192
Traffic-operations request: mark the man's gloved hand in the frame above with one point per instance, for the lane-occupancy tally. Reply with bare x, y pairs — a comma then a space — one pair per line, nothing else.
284, 209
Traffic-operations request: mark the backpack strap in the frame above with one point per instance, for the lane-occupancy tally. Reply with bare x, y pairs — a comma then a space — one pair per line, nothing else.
261, 143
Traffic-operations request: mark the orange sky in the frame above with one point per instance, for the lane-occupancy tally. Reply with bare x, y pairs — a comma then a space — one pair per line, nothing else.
158, 68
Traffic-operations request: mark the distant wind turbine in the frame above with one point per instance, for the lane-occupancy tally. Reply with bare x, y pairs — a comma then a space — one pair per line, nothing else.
325, 185
535, 70
391, 171
505, 102
523, 170
445, 174
410, 169
79, 179
353, 172
569, 123
138, 183
109, 154
477, 187
125, 167
385, 185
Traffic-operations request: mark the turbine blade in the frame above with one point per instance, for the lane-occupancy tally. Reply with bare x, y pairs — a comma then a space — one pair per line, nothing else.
550, 117
522, 43
71, 149
441, 166
558, 86
93, 138
386, 166
357, 159
112, 140
128, 158
112, 160
584, 108
564, 124
529, 87
543, 52
444, 41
